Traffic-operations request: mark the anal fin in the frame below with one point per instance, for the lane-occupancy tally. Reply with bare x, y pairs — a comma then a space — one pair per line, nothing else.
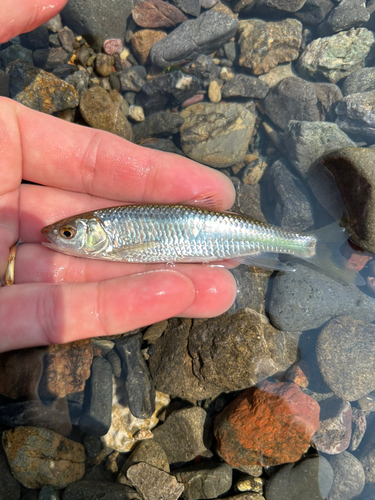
265, 260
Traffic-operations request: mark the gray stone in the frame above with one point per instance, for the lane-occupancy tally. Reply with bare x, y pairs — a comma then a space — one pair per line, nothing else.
335, 426
248, 200
307, 299
139, 387
216, 134
337, 56
93, 490
93, 17
360, 81
359, 426
96, 419
194, 37
246, 496
185, 434
348, 477
245, 86
148, 451
328, 95
48, 493
269, 6
252, 286
153, 483
80, 81
356, 114
204, 68
191, 7
36, 39
292, 99
54, 25
289, 198
307, 141
63, 71
157, 124
346, 15
4, 84
50, 59
314, 11
68, 39
14, 52
160, 144
205, 480
131, 80
367, 458
114, 360
10, 488
345, 352
93, 446
310, 479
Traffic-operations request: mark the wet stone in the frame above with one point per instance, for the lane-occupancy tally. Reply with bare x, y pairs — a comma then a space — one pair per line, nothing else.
196, 36
148, 451
346, 15
248, 199
252, 282
131, 79
216, 135
35, 39
288, 419
192, 100
360, 81
359, 426
80, 81
307, 299
267, 6
143, 40
356, 114
10, 488
103, 65
205, 481
48, 493
249, 483
204, 69
156, 125
49, 59
38, 457
39, 90
337, 56
266, 44
4, 84
348, 476
314, 11
92, 490
166, 145
68, 39
93, 446
54, 25
64, 70
346, 356
214, 92
157, 14
190, 7
14, 52
114, 360
245, 86
311, 478
20, 372
185, 434
153, 483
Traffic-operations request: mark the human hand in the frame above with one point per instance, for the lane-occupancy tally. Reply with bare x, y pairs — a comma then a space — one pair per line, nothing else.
57, 298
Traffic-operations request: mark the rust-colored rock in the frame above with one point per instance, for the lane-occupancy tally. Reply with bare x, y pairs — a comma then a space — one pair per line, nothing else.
66, 368
268, 424
157, 14
143, 40
20, 372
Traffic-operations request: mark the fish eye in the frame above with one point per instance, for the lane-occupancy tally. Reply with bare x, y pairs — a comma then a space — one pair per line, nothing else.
67, 232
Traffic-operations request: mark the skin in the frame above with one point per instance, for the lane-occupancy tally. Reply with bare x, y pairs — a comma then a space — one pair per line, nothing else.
57, 298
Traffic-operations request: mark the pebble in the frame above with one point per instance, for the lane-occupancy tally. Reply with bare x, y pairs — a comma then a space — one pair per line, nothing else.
54, 24
154, 483
263, 45
200, 372
38, 457
216, 142
48, 493
245, 86
249, 483
359, 425
254, 170
50, 59
80, 81
157, 124
279, 5
205, 480
204, 68
190, 7
348, 476
252, 284
36, 39
288, 419
345, 352
93, 446
113, 46
208, 4
309, 297
143, 40
346, 15
192, 100
114, 360
136, 113
132, 79
360, 81
193, 37
92, 490
157, 14
14, 52
336, 56
214, 92
67, 39
20, 373
314, 11
356, 114
103, 65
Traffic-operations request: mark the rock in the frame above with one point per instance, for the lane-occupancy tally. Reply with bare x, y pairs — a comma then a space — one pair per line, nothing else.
243, 5
216, 135
4, 84
92, 17
353, 172
359, 426
67, 39
157, 14
299, 373
191, 7
205, 480
345, 352
99, 111
208, 4
311, 478
39, 90
92, 490
103, 65
246, 496
93, 446
328, 95
249, 483
157, 124
14, 52
63, 71
267, 6
35, 39
307, 141
113, 46
20, 373
289, 197
292, 99
245, 86
254, 170
214, 92
204, 68
38, 457
252, 283
360, 81
356, 114
50, 59
54, 25
166, 145
192, 100
185, 434
48, 493
80, 81
153, 483
266, 44
132, 79
337, 56
367, 458
198, 36
348, 477
10, 487
122, 434
143, 40
307, 299
147, 451
246, 350
335, 427
66, 368
314, 11
275, 75
248, 199
136, 113
346, 15
288, 418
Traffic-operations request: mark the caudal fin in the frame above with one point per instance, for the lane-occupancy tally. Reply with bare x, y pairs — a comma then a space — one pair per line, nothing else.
329, 258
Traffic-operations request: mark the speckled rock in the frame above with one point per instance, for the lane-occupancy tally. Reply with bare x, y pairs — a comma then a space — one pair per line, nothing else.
246, 350
80, 81
346, 356
156, 125
336, 56
279, 6
360, 81
48, 493
132, 79
248, 199
216, 135
252, 283
92, 490
307, 299
103, 65
348, 477
346, 15
314, 11
14, 52
191, 7
38, 457
38, 89
204, 68
143, 40
288, 418
4, 84
245, 86
205, 480
275, 75
367, 458
335, 426
36, 39
50, 59
154, 483
99, 111
194, 37
266, 44
356, 114
359, 425
157, 14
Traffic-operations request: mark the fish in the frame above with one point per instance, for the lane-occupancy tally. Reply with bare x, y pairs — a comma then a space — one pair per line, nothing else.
182, 233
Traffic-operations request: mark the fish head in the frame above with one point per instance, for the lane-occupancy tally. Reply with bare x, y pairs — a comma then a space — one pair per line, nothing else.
80, 236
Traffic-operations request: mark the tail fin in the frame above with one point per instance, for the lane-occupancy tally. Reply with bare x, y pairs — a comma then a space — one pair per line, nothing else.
329, 258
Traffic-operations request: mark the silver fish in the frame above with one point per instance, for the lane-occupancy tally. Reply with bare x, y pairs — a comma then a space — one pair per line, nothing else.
178, 233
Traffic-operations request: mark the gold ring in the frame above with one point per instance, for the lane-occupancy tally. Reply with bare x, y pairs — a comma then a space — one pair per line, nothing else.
9, 272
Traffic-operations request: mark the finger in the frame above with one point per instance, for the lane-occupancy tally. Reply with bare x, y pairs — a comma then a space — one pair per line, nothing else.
25, 15
102, 164
56, 314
